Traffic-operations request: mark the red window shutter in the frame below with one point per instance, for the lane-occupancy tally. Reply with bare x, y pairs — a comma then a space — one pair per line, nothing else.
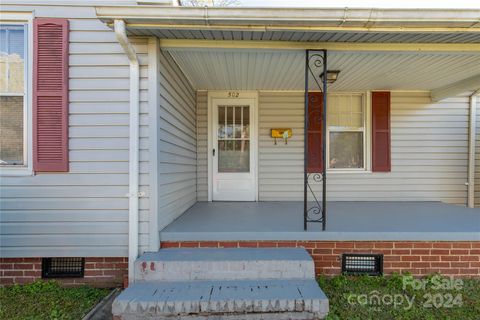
315, 132
50, 95
381, 159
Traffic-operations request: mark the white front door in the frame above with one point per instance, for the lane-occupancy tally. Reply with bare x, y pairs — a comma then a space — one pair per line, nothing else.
233, 153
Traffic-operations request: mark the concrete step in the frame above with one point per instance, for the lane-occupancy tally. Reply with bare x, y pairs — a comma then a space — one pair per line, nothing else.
244, 299
224, 264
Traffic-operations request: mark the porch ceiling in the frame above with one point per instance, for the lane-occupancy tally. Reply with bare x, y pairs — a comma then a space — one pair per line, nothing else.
245, 69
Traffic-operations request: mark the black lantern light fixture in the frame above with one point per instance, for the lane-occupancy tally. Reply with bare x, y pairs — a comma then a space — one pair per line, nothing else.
332, 76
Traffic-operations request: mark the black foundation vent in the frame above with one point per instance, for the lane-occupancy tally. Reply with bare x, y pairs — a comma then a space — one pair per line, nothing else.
358, 264
63, 267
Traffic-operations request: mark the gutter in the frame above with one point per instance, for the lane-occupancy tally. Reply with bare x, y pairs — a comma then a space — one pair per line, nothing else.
471, 149
134, 153
295, 19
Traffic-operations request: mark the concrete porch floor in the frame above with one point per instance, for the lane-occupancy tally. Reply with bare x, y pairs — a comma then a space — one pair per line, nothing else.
362, 221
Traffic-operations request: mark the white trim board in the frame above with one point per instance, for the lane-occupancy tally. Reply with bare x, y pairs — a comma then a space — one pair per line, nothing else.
252, 95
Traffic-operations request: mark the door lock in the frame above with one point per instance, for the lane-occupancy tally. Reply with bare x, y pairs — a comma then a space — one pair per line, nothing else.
214, 152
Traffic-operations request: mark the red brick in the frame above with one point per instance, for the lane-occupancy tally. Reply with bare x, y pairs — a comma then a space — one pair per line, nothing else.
430, 258
189, 244
469, 258
410, 258
208, 244
170, 244
401, 251
439, 251
364, 245
440, 264
422, 245
287, 244
90, 273
442, 245
401, 264
420, 252
345, 245
459, 251
228, 244
322, 251
384, 245
459, 264
403, 245
449, 258
325, 245
420, 264
248, 244
4, 266
13, 273
306, 244
462, 245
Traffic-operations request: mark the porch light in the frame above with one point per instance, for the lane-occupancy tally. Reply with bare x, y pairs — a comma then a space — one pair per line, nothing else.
332, 76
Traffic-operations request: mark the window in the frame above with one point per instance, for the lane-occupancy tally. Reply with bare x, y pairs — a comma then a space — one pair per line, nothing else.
346, 141
16, 37
13, 79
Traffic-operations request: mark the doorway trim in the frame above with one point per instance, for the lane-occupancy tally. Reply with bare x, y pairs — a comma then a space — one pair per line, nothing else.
232, 95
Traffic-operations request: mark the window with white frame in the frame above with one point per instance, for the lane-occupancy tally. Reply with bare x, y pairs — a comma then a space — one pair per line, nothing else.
13, 94
346, 133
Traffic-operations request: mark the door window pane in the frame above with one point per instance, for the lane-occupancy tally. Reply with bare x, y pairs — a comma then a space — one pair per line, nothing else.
246, 122
234, 156
346, 150
229, 123
221, 122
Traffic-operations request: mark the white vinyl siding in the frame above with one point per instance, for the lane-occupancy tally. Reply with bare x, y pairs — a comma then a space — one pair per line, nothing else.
83, 212
429, 152
178, 153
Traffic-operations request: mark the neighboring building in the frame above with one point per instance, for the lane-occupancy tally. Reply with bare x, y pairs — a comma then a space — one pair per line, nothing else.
114, 146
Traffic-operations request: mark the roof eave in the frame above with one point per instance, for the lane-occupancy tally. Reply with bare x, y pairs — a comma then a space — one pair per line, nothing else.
295, 19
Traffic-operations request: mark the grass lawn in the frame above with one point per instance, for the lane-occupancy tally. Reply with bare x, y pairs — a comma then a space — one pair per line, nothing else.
401, 297
47, 300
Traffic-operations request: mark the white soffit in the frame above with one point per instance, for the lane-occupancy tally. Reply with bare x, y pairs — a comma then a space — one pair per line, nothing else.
284, 70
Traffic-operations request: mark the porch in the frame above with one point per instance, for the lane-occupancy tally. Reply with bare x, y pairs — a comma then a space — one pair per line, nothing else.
346, 221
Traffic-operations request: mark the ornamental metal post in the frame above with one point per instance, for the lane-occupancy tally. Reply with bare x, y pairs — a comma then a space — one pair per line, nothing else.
314, 210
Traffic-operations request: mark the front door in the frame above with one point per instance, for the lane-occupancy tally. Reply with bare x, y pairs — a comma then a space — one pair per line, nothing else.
233, 150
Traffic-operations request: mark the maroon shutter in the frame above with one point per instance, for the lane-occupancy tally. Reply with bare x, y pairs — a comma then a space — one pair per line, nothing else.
381, 161
315, 132
50, 95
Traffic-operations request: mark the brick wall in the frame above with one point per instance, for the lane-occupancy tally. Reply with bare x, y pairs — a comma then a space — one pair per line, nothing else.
460, 259
99, 272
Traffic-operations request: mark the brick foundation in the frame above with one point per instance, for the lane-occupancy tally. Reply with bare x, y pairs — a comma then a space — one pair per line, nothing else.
99, 272
459, 259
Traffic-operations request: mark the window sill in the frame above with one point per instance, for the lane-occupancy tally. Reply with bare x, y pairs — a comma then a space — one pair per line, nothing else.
10, 171
340, 171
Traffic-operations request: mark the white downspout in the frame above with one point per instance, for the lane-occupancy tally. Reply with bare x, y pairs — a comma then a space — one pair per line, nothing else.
471, 149
133, 168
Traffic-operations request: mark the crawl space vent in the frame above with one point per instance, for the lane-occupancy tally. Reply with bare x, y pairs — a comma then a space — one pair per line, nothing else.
358, 264
63, 267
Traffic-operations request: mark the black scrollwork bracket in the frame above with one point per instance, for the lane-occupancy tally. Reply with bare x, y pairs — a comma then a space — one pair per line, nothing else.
315, 177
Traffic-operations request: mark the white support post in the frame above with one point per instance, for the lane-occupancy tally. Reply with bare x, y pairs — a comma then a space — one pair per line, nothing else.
471, 149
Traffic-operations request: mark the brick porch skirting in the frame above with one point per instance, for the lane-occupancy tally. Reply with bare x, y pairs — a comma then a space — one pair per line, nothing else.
460, 258
99, 272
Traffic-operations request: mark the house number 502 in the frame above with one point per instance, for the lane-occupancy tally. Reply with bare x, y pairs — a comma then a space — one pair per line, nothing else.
233, 94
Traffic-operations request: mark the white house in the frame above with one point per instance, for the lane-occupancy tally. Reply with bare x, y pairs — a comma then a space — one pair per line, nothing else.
128, 126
